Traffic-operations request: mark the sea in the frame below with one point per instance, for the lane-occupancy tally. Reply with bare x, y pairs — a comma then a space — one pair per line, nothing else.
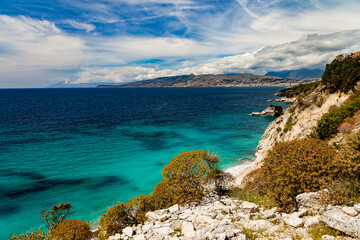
94, 147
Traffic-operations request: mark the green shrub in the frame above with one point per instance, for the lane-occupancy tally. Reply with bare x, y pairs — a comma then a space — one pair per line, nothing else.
115, 219
139, 206
31, 235
183, 183
342, 74
71, 230
57, 214
292, 168
329, 122
299, 90
346, 188
184, 177
289, 123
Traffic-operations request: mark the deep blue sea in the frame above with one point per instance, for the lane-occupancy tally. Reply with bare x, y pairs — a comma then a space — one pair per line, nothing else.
94, 147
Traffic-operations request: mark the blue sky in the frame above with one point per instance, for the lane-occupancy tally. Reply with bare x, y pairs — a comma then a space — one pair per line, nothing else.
89, 41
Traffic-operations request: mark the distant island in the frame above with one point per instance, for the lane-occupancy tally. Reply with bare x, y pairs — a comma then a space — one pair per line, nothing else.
218, 80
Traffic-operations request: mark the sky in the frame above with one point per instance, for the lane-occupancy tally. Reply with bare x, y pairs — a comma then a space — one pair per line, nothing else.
119, 41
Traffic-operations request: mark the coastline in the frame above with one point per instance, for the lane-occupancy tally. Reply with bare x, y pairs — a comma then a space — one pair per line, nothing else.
241, 170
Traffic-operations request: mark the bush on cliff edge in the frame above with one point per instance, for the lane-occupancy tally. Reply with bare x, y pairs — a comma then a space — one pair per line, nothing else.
183, 180
292, 168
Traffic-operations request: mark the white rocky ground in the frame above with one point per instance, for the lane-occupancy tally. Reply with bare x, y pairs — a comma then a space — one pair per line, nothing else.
226, 218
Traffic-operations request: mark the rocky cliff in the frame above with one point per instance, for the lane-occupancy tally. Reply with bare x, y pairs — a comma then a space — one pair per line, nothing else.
296, 122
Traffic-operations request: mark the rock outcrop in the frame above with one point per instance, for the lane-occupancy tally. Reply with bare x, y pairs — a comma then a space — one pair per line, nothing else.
298, 121
272, 111
226, 218
340, 219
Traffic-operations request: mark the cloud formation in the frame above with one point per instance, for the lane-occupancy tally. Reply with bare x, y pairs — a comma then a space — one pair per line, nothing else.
81, 26
28, 43
312, 51
82, 40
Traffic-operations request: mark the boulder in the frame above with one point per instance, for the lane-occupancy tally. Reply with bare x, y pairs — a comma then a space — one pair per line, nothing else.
139, 237
293, 220
309, 221
312, 200
269, 213
357, 207
272, 111
128, 231
163, 231
146, 228
338, 220
185, 214
328, 237
188, 230
240, 237
174, 208
350, 211
152, 216
163, 217
116, 237
248, 207
257, 225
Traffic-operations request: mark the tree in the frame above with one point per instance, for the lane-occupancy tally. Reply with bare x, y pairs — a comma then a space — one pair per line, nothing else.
184, 178
56, 215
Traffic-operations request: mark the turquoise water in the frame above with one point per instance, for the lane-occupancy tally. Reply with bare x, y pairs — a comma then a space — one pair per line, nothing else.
94, 147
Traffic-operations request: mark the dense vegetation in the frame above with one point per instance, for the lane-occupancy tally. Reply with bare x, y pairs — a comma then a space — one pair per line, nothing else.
330, 122
292, 168
299, 90
342, 74
57, 227
72, 230
183, 182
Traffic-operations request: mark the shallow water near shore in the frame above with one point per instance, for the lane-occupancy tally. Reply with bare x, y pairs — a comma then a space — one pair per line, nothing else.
94, 147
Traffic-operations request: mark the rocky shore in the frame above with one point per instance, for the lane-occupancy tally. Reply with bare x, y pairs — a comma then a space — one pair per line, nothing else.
226, 218
272, 111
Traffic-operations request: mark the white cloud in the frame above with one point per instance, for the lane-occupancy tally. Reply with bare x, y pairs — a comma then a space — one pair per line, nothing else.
121, 50
30, 44
312, 51
81, 26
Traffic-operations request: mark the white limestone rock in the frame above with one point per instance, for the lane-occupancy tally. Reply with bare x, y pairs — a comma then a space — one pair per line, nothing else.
270, 213
293, 220
128, 231
311, 200
328, 237
249, 207
188, 230
163, 217
139, 237
174, 208
309, 221
357, 207
338, 220
350, 211
256, 225
152, 216
163, 231
240, 237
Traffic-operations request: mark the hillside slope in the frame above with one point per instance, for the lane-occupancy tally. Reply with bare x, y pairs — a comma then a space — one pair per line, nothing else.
220, 80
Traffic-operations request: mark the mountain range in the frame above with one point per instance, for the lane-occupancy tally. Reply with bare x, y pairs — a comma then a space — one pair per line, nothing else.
210, 80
